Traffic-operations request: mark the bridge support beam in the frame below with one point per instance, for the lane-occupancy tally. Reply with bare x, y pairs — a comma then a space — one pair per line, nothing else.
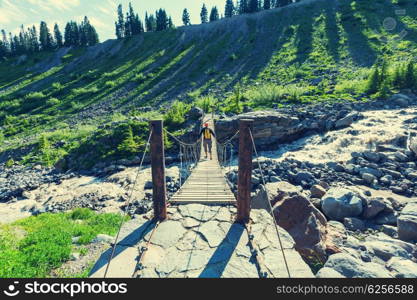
245, 171
158, 170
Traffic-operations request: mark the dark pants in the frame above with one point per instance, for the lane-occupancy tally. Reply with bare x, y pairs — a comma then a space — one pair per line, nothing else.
207, 144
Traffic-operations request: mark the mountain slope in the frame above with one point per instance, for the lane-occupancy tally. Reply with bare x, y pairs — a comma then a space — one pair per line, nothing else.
309, 51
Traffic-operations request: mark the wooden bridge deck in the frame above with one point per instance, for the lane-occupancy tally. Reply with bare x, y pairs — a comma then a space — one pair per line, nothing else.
207, 183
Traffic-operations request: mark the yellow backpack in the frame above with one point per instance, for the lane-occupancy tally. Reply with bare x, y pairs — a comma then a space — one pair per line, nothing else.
207, 134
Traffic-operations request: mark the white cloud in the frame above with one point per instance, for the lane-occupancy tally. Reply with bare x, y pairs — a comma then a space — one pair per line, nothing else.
50, 5
9, 12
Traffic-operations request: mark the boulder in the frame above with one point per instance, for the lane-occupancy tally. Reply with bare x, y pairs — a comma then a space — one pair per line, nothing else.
317, 191
350, 267
195, 113
386, 219
371, 156
369, 178
340, 203
399, 100
401, 157
413, 145
282, 189
303, 176
373, 207
347, 120
354, 224
407, 222
305, 223
269, 128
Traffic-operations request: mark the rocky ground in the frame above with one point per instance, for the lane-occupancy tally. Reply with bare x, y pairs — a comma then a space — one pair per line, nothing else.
348, 196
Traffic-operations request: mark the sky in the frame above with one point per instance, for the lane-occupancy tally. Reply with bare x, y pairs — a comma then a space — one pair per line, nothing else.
102, 13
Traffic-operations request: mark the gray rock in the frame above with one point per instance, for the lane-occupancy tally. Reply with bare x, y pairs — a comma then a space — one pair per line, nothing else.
75, 256
403, 268
354, 224
328, 273
392, 231
317, 191
386, 219
407, 222
369, 178
168, 234
373, 207
371, 156
350, 267
375, 172
346, 121
212, 233
401, 157
340, 203
400, 100
148, 185
303, 176
103, 238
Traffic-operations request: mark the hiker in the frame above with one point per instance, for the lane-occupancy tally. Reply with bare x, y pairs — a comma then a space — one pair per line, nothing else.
207, 134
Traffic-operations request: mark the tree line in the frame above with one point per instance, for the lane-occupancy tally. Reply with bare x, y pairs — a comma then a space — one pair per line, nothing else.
130, 24
33, 40
233, 8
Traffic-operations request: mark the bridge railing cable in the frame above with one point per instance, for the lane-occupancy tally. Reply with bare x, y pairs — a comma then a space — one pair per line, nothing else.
128, 203
189, 154
269, 204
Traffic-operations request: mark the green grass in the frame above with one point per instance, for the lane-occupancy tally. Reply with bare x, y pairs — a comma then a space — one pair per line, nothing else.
32, 247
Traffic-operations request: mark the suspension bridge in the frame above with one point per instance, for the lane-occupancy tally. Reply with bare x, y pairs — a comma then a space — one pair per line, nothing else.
203, 230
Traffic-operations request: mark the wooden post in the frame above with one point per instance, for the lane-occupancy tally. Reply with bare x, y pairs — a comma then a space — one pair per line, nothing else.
158, 170
245, 171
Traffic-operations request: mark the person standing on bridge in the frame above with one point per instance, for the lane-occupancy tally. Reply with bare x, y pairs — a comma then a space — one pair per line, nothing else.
207, 134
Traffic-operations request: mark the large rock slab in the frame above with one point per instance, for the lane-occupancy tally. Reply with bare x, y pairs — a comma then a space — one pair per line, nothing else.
122, 265
350, 267
403, 268
340, 203
168, 234
407, 222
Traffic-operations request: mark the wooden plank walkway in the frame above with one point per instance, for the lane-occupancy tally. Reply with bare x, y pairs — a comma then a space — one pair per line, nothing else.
206, 183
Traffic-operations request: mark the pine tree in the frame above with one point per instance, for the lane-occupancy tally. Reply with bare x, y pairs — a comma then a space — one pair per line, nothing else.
229, 9
120, 24
34, 39
150, 22
243, 7
373, 81
161, 20
214, 14
253, 6
58, 36
267, 4
204, 14
186, 17
281, 3
45, 37
410, 76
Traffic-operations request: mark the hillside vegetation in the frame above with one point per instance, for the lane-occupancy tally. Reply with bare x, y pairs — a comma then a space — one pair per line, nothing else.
92, 103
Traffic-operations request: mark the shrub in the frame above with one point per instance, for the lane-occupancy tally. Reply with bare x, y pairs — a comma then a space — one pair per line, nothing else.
35, 96
9, 163
52, 101
374, 81
206, 103
176, 114
139, 78
84, 91
110, 84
